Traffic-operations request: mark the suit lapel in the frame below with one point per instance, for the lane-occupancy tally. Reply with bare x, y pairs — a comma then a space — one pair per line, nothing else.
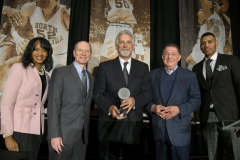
36, 76
74, 72
133, 71
90, 79
215, 72
202, 80
159, 80
36, 79
118, 69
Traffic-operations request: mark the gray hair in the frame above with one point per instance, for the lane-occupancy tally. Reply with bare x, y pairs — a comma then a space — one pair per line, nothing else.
124, 32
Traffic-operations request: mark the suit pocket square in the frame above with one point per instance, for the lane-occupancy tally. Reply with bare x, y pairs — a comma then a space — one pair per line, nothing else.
221, 68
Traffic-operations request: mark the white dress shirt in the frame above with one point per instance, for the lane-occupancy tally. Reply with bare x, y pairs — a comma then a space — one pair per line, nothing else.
128, 65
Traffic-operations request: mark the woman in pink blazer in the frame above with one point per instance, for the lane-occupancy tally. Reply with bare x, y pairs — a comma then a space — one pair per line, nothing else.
24, 95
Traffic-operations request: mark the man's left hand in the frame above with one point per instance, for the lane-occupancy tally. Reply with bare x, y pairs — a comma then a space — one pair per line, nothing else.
128, 103
57, 144
170, 112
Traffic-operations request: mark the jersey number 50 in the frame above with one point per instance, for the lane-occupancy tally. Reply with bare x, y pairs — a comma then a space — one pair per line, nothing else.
121, 3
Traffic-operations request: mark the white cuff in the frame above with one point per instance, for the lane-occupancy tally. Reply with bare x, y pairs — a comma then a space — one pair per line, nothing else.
7, 134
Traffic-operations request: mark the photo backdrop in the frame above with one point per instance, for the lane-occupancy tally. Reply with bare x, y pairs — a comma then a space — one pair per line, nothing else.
24, 19
200, 16
107, 18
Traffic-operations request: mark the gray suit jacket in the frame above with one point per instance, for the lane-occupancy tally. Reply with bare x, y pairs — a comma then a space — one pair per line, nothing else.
68, 111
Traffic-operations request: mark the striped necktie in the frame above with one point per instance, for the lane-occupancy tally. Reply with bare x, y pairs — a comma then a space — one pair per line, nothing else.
125, 72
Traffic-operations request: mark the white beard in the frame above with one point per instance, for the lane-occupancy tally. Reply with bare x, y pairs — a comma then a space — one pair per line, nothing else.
125, 54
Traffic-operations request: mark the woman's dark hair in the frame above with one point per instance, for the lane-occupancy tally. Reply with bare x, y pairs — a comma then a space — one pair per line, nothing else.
27, 55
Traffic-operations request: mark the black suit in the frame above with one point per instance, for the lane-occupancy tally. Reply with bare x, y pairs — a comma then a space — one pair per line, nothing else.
108, 82
224, 94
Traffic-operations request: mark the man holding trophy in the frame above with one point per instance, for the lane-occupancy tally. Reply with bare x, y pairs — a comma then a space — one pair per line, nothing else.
121, 91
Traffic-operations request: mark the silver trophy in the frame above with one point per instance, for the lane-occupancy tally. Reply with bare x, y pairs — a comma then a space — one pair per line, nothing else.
123, 93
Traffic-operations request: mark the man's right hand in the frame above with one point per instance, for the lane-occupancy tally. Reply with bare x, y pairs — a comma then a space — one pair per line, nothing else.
115, 113
57, 144
11, 144
158, 109
198, 129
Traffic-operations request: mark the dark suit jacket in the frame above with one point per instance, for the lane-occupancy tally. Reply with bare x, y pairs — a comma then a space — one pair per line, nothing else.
68, 111
224, 91
108, 82
186, 95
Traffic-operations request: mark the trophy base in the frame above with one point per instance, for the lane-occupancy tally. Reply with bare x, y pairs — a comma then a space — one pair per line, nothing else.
123, 113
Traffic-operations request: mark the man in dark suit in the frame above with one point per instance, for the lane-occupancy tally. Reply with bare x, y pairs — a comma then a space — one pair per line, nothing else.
117, 133
219, 81
69, 100
175, 96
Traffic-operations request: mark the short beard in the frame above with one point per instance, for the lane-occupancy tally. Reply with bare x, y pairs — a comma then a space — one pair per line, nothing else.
125, 54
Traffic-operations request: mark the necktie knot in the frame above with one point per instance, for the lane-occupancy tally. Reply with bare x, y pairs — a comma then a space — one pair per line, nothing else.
83, 72
209, 61
125, 64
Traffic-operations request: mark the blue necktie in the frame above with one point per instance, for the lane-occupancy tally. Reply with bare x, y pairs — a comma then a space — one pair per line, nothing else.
125, 72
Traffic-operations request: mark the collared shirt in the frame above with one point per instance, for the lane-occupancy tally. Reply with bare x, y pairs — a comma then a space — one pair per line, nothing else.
212, 64
79, 70
171, 71
128, 65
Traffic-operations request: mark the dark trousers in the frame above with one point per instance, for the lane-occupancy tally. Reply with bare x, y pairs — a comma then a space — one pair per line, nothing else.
165, 151
218, 139
75, 151
28, 144
114, 150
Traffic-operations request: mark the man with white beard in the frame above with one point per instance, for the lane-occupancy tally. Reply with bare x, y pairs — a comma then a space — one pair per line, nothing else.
117, 132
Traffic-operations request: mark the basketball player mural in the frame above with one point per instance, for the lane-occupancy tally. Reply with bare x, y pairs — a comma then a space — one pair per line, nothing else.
41, 18
119, 14
48, 19
209, 17
138, 50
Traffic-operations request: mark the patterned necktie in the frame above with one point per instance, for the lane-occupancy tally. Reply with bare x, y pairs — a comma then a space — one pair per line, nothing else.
84, 81
208, 71
125, 72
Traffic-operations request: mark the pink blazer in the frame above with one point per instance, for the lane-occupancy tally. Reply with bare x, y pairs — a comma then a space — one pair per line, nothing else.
21, 106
